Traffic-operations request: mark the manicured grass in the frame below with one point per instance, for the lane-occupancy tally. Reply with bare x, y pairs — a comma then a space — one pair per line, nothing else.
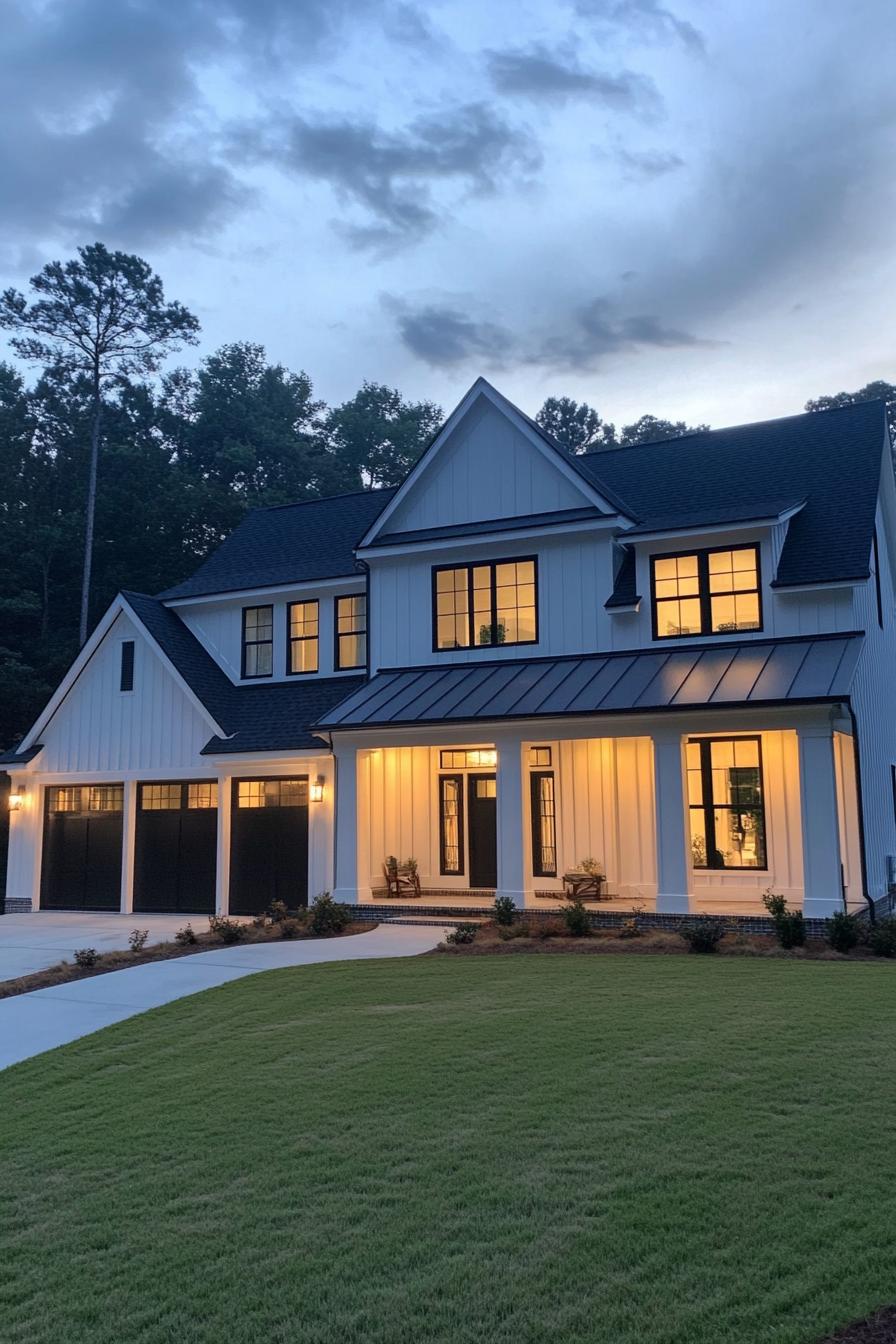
510, 1149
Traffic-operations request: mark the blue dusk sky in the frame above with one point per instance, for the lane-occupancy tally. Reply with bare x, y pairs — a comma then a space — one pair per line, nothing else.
684, 209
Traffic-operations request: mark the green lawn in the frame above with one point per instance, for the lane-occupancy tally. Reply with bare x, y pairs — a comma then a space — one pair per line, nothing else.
503, 1150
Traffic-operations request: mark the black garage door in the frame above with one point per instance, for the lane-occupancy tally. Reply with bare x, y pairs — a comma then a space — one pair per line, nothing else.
81, 864
175, 847
269, 844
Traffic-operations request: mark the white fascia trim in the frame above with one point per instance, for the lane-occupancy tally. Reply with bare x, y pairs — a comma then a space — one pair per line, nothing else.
624, 611
490, 538
245, 595
711, 529
481, 388
105, 624
160, 653
248, 760
831, 584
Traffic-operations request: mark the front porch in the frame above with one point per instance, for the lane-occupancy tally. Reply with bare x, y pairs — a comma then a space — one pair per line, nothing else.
675, 824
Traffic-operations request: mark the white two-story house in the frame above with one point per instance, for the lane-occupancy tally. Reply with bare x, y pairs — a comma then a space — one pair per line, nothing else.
674, 659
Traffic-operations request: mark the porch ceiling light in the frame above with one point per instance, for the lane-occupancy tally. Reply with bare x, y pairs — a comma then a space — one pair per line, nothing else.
317, 790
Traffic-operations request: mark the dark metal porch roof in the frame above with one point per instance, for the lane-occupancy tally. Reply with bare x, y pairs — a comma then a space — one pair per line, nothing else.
721, 675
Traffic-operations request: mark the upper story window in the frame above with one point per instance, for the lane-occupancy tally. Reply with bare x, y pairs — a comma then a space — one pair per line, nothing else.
351, 631
258, 641
706, 592
483, 605
303, 641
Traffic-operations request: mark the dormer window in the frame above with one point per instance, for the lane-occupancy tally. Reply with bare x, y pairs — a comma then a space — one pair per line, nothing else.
712, 592
258, 641
475, 606
303, 637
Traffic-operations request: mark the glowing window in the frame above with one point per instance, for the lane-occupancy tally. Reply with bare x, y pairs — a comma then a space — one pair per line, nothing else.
161, 797
706, 593
475, 758
484, 605
106, 797
258, 641
351, 631
304, 641
544, 824
726, 802
202, 795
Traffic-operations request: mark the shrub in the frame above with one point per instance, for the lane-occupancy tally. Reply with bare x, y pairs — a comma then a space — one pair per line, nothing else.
464, 933
704, 933
185, 936
841, 932
522, 929
576, 918
85, 957
505, 910
881, 937
291, 928
228, 930
548, 928
790, 927
137, 940
277, 912
260, 921
327, 916
631, 928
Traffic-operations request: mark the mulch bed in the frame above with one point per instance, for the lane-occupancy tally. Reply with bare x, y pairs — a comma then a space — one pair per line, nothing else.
879, 1328
653, 942
66, 971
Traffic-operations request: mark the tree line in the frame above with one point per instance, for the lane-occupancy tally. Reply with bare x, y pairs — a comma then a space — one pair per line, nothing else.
115, 474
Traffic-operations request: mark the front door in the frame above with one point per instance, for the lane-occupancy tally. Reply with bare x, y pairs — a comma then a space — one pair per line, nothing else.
483, 827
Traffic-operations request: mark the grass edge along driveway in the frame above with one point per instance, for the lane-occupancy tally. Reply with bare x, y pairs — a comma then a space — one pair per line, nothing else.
680, 1150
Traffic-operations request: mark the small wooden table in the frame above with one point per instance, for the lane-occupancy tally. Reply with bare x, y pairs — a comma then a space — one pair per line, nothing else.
584, 886
401, 884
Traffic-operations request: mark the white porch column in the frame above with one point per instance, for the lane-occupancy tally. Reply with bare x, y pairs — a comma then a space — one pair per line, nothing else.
671, 823
222, 865
128, 837
511, 834
822, 892
346, 825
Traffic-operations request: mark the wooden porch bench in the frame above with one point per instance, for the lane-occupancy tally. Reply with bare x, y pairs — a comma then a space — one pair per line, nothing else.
585, 886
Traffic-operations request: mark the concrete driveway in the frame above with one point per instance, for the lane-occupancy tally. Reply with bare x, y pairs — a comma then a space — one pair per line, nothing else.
34, 942
46, 1018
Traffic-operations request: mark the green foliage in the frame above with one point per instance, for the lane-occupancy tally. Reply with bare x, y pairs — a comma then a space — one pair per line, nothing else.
878, 390
651, 428
505, 910
228, 930
790, 927
881, 937
186, 936
463, 933
576, 918
375, 438
703, 933
631, 927
137, 940
575, 425
841, 932
85, 957
277, 911
327, 916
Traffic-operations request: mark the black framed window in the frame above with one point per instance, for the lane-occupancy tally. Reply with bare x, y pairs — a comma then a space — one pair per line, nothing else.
713, 592
126, 676
478, 606
468, 758
451, 825
351, 631
726, 801
544, 823
303, 637
258, 641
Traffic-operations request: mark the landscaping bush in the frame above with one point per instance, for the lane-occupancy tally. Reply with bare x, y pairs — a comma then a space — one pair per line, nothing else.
703, 934
327, 916
85, 957
185, 936
505, 910
464, 933
548, 928
228, 930
576, 918
841, 932
277, 912
881, 937
790, 927
522, 929
631, 928
137, 940
291, 928
260, 921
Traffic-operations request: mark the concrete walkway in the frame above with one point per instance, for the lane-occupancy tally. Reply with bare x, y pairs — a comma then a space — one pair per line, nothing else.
34, 942
46, 1018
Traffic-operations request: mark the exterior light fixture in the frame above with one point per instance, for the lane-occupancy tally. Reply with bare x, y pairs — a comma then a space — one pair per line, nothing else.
317, 790
16, 798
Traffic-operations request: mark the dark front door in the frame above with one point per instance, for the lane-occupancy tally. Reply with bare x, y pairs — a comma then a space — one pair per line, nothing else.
175, 847
81, 862
269, 844
483, 827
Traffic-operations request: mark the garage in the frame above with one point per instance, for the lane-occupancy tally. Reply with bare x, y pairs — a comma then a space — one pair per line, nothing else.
81, 867
175, 847
269, 843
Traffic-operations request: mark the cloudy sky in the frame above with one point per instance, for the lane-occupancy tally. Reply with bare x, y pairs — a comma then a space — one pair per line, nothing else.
685, 210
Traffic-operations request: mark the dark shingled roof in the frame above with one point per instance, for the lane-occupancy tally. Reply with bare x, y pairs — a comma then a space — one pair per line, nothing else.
759, 672
273, 717
533, 520
292, 543
15, 757
832, 459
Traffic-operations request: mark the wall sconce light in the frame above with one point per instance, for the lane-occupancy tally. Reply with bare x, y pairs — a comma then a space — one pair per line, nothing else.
16, 798
317, 790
